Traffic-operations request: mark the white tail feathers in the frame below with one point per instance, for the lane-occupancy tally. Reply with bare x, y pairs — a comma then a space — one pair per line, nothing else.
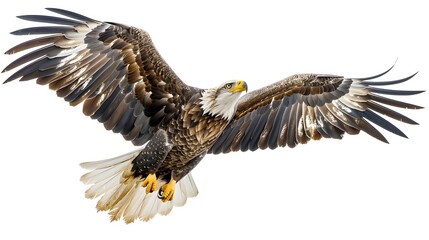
122, 194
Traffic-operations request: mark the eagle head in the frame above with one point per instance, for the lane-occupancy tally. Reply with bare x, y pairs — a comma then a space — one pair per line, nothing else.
222, 101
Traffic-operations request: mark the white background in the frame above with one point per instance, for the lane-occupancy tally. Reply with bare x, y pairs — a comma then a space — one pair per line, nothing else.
357, 188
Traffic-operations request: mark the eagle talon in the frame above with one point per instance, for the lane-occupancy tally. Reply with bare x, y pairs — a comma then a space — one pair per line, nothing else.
166, 192
160, 194
149, 183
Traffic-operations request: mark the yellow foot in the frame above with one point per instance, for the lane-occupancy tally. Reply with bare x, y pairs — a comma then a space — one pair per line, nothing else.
166, 192
150, 183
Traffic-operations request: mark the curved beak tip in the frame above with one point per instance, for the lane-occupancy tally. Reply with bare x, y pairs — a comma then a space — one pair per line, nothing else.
242, 85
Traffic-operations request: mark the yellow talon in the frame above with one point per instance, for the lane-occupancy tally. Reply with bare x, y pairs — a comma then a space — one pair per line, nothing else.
167, 191
150, 183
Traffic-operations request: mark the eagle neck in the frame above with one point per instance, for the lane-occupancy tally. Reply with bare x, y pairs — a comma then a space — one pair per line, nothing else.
221, 105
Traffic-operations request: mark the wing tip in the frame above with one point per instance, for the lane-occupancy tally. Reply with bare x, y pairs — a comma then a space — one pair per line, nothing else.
383, 139
16, 32
71, 14
53, 9
377, 75
8, 80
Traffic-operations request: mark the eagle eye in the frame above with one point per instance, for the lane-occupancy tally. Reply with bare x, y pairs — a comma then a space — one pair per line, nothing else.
228, 86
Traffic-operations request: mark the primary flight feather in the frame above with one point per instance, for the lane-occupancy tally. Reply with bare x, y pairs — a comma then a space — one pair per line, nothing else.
124, 83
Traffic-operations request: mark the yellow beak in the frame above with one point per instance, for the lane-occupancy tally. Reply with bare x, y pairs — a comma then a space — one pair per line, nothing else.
240, 86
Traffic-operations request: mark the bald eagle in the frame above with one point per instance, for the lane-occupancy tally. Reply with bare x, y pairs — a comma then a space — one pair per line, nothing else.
122, 81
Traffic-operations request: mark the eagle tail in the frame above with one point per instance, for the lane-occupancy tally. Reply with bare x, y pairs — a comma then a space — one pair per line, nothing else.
122, 194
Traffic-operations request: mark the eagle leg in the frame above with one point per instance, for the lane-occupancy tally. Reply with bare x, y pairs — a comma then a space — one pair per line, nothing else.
146, 164
150, 183
166, 192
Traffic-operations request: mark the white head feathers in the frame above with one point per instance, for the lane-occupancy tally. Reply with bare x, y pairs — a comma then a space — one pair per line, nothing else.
222, 101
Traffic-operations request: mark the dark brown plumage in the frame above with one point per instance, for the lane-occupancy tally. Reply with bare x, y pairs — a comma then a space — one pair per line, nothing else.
130, 83
123, 82
310, 106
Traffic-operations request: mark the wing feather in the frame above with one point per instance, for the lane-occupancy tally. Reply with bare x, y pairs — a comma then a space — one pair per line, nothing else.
380, 121
42, 30
237, 136
311, 106
255, 136
321, 124
72, 15
301, 133
263, 140
50, 19
113, 69
291, 131
282, 141
310, 124
32, 43
275, 130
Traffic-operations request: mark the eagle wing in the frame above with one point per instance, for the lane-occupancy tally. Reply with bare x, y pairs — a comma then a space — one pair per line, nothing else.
311, 106
113, 69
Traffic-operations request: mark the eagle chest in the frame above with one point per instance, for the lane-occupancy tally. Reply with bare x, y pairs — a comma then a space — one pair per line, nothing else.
194, 132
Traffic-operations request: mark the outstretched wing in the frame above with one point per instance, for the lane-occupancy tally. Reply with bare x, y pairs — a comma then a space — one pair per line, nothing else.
114, 69
310, 106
